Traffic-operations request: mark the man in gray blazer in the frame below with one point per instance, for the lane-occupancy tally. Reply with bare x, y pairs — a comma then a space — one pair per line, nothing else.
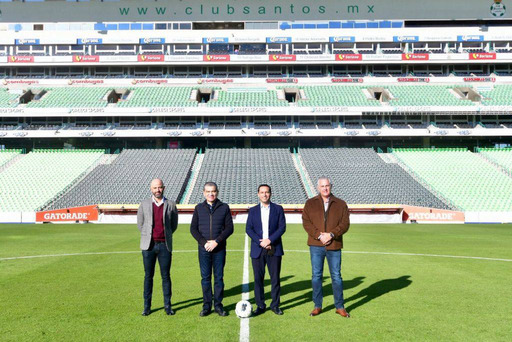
157, 219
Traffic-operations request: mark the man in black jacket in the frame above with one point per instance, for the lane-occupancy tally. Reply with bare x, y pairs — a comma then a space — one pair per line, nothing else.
211, 225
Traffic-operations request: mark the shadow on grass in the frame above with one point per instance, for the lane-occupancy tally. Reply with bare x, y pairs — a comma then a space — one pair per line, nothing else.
376, 290
306, 297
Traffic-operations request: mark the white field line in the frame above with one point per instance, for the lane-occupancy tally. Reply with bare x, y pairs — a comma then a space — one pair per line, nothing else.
241, 250
244, 322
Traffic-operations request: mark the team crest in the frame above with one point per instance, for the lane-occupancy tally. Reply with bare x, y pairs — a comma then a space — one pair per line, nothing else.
498, 9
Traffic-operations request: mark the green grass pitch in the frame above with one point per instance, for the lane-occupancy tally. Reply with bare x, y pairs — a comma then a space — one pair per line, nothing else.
96, 295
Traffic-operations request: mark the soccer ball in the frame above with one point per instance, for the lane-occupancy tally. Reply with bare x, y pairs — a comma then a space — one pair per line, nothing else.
243, 309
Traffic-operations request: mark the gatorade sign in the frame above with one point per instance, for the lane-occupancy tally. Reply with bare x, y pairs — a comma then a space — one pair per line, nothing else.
431, 215
87, 213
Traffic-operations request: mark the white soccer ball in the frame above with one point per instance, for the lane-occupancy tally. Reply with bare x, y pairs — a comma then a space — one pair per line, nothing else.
243, 309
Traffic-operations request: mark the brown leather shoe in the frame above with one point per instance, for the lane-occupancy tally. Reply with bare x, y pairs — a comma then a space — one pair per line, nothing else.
343, 312
316, 312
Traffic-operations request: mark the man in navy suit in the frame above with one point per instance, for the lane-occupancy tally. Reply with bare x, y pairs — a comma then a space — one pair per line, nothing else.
265, 226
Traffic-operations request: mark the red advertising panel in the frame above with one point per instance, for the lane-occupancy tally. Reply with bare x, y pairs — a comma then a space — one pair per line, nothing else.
282, 58
415, 56
20, 59
346, 80
479, 79
85, 59
431, 215
150, 58
482, 56
413, 79
349, 57
87, 213
216, 58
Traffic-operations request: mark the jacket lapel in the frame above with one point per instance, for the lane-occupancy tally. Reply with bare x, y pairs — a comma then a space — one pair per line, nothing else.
164, 212
258, 220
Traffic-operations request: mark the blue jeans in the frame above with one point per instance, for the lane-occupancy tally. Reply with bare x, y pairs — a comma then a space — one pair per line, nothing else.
207, 261
318, 255
157, 251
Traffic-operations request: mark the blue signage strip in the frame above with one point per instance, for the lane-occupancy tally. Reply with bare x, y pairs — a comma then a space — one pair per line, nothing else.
215, 40
89, 41
152, 40
342, 39
27, 42
470, 38
406, 39
279, 40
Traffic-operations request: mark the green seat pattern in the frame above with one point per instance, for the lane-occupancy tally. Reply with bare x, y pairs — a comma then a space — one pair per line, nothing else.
41, 175
464, 178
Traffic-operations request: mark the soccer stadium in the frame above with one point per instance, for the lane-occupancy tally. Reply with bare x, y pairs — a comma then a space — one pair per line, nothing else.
405, 106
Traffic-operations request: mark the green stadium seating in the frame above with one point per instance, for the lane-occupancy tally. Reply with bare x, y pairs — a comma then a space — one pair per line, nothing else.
500, 156
247, 97
41, 175
464, 178
7, 155
79, 97
159, 97
500, 95
336, 95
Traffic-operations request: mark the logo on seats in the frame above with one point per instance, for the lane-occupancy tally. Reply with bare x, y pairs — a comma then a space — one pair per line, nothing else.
498, 9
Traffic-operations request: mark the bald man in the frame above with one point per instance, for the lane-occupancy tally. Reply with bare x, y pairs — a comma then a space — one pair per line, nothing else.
157, 220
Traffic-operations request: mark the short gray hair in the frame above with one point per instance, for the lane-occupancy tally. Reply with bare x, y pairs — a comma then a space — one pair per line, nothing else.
323, 178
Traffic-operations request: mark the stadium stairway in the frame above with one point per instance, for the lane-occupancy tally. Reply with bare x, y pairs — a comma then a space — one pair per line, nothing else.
500, 157
307, 183
9, 157
194, 173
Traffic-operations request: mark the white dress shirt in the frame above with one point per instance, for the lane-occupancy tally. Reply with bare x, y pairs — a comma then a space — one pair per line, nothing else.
158, 203
265, 216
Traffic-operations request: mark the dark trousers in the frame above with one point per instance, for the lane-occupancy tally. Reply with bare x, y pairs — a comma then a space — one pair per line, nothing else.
156, 251
274, 268
209, 261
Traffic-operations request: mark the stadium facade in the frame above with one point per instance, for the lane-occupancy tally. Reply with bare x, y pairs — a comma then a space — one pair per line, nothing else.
285, 76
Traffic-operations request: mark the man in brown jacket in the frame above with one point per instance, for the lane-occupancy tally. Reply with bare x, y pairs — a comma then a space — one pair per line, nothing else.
325, 219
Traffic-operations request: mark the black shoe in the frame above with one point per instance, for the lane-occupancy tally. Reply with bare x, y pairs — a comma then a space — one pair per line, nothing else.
146, 312
258, 311
205, 312
277, 311
221, 312
169, 311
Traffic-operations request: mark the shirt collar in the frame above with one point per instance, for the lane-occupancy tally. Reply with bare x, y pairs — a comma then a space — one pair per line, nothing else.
263, 207
156, 203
